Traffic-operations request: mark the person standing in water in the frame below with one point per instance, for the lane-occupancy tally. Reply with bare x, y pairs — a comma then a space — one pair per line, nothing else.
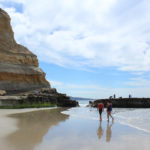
100, 109
109, 110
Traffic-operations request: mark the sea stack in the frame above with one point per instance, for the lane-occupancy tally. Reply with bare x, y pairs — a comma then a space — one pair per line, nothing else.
19, 68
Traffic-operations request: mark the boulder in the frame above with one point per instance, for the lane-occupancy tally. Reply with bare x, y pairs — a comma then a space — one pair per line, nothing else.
2, 92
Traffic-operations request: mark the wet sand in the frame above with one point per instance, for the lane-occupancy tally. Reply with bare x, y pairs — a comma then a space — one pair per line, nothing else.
22, 129
89, 134
52, 130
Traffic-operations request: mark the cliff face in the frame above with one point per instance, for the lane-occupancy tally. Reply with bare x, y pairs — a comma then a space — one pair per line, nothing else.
19, 69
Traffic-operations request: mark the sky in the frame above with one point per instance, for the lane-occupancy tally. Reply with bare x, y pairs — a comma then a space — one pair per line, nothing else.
88, 48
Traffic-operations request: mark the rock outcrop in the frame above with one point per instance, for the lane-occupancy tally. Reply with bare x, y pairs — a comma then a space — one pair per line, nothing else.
124, 102
19, 69
49, 96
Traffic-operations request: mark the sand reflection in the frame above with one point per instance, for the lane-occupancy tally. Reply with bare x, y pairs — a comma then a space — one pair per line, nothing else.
33, 126
109, 132
100, 130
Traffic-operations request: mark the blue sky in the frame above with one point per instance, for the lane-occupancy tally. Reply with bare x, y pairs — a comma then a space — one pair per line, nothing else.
88, 48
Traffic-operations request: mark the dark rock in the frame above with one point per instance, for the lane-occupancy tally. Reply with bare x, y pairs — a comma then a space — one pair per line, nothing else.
124, 102
41, 96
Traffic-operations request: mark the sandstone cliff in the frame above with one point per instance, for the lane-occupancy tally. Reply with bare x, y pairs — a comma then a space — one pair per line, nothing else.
19, 69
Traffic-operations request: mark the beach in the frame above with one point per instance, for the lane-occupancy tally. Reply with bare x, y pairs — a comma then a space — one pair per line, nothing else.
73, 128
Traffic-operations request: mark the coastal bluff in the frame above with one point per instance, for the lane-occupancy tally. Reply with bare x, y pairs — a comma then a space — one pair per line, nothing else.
22, 82
123, 102
19, 68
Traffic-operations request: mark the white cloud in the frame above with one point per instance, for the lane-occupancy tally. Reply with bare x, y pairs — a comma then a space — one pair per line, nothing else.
55, 83
138, 82
86, 33
63, 85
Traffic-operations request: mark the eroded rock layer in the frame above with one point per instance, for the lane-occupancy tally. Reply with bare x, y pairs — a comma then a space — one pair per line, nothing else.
19, 69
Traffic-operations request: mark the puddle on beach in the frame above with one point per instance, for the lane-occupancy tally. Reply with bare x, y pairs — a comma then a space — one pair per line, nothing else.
77, 128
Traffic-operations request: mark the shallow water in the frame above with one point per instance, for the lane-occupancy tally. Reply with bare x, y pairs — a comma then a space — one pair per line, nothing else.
79, 128
83, 131
137, 118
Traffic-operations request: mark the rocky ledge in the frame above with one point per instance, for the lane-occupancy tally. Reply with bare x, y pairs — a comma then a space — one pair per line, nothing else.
45, 97
124, 102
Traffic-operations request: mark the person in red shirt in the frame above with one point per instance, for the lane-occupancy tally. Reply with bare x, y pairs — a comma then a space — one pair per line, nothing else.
100, 109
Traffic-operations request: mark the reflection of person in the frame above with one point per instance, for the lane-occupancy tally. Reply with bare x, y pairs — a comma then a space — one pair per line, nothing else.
100, 131
109, 109
108, 132
100, 109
